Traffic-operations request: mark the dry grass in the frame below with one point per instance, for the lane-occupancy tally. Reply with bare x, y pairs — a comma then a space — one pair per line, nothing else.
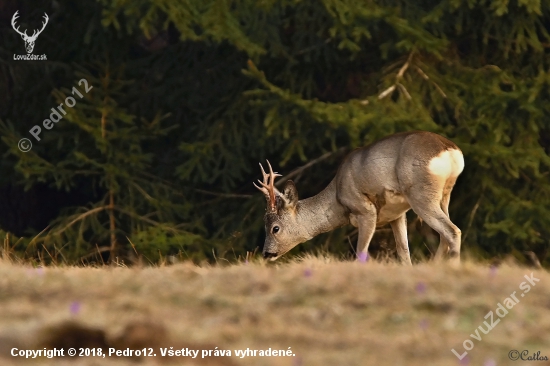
329, 312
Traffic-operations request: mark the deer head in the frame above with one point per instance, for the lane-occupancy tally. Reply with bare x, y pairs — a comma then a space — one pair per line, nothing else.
282, 227
29, 40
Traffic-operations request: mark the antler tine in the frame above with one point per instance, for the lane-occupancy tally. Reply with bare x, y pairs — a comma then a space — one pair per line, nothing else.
263, 172
263, 187
271, 173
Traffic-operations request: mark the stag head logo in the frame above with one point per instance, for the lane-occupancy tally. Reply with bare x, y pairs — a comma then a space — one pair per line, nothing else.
29, 40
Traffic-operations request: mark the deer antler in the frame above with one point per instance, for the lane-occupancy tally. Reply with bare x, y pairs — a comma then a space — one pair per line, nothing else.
15, 16
267, 187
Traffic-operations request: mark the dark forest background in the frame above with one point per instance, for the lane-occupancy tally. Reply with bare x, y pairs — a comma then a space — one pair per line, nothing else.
188, 96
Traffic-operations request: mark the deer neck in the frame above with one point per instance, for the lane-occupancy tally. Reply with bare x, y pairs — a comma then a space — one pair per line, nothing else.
321, 213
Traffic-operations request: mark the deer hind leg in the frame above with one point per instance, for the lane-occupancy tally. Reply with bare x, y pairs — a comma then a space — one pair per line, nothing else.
399, 228
431, 209
443, 248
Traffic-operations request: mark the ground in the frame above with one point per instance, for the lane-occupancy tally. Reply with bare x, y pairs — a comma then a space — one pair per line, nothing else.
327, 311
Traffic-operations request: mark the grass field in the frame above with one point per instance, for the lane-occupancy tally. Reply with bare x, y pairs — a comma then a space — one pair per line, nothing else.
329, 312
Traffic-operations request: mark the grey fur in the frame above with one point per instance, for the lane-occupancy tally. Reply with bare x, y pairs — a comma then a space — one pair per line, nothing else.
374, 186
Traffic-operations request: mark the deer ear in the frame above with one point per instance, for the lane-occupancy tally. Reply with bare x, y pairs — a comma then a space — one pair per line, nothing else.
290, 193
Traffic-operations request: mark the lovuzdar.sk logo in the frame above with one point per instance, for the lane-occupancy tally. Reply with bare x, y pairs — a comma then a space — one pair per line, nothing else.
29, 40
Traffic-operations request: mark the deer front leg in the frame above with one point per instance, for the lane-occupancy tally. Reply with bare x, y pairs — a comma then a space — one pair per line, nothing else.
366, 224
399, 228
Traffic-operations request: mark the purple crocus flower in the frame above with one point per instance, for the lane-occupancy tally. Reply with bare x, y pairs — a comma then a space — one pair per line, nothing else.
424, 324
363, 257
74, 307
39, 271
421, 287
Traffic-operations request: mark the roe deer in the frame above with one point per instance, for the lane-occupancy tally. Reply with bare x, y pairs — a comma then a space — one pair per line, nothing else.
374, 186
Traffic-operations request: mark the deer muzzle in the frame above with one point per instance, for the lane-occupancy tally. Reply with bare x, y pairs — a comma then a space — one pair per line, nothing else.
268, 255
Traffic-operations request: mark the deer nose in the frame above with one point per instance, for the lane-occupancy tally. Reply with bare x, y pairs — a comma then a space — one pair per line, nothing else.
269, 255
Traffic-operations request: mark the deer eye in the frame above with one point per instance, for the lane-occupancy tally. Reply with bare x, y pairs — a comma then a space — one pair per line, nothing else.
275, 229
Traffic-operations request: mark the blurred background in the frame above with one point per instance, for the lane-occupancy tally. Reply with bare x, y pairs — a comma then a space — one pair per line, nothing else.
157, 160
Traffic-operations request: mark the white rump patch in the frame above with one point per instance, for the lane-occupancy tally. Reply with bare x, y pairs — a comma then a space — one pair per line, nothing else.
448, 163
